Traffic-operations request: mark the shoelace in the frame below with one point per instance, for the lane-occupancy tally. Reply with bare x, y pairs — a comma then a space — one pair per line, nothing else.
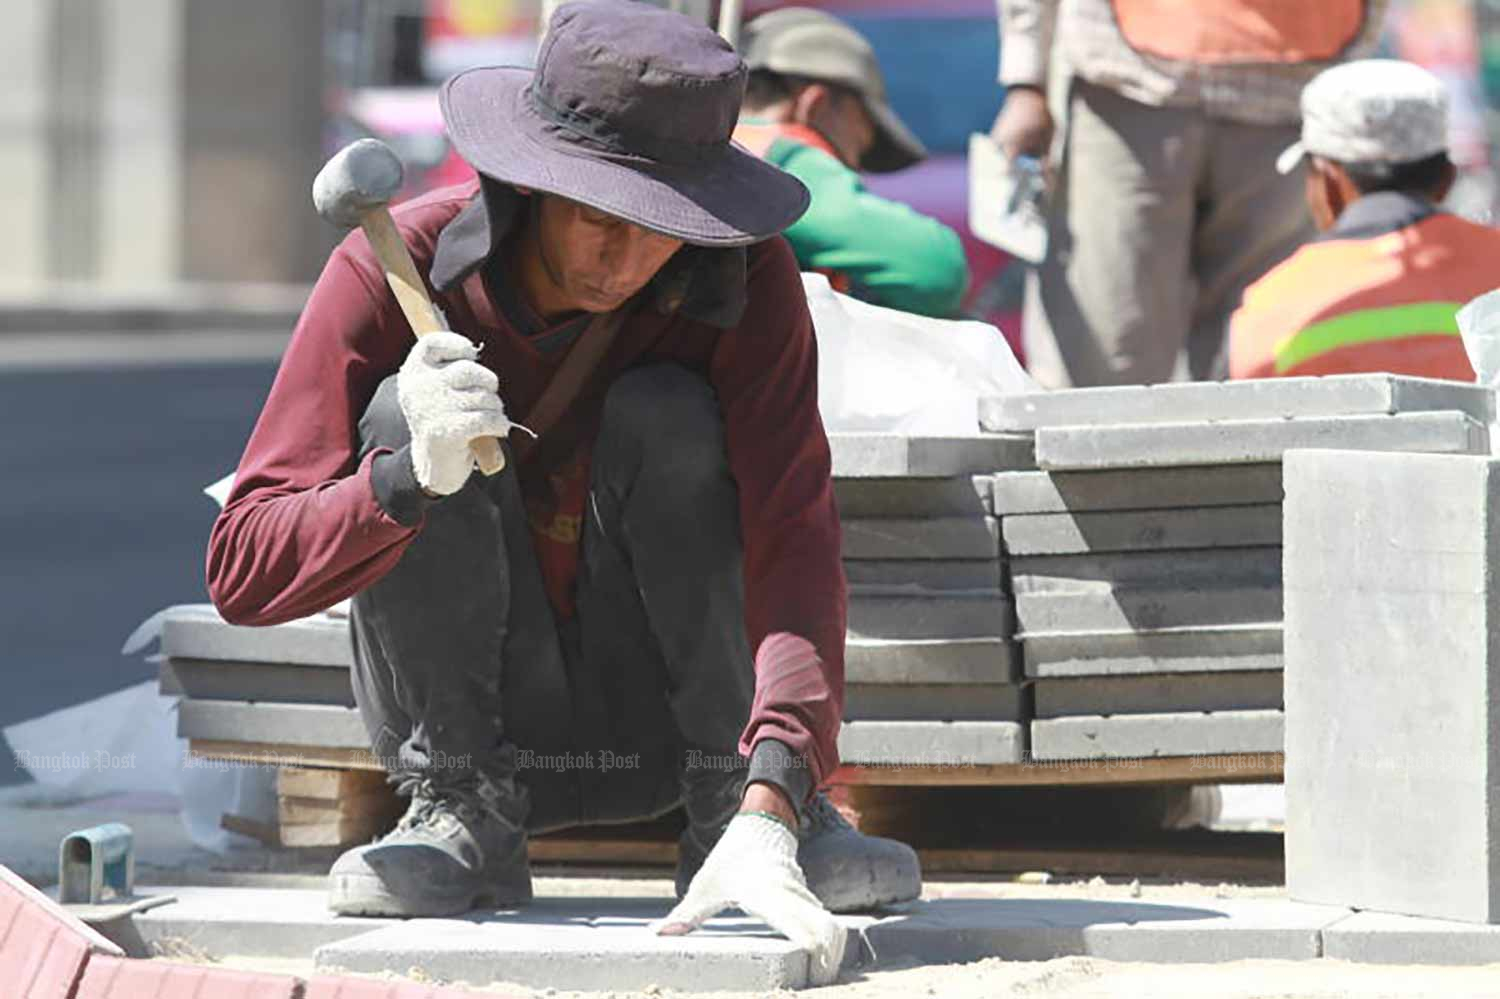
426, 796
822, 816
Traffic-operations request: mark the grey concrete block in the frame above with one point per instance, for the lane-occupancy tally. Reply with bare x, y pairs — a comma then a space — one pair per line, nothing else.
1179, 568
926, 574
1146, 609
932, 743
733, 954
1142, 530
1393, 663
933, 702
1195, 930
905, 614
1382, 938
1271, 398
276, 923
1240, 648
196, 631
922, 538
218, 680
1164, 734
1252, 441
958, 496
888, 456
1060, 697
321, 725
964, 661
1135, 489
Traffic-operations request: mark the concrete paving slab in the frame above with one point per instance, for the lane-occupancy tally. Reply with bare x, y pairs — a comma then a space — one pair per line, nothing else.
1392, 593
222, 680
321, 725
1178, 650
196, 631
1250, 526
898, 613
922, 538
926, 574
727, 954
957, 496
933, 702
1278, 398
1383, 938
1134, 695
1181, 568
1193, 931
931, 743
888, 456
1135, 489
1146, 609
1089, 737
1252, 441
280, 922
960, 661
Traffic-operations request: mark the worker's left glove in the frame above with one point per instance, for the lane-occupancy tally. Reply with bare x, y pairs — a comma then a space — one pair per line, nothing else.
754, 866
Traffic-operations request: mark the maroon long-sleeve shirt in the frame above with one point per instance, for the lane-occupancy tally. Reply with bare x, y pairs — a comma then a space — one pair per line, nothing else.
303, 529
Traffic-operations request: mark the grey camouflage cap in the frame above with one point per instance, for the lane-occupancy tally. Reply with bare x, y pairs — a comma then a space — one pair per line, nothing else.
1371, 111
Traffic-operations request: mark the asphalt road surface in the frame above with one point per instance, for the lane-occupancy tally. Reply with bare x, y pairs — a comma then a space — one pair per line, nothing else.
104, 450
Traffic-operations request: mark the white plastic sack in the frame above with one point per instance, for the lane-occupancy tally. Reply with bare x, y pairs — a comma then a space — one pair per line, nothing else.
1479, 325
884, 371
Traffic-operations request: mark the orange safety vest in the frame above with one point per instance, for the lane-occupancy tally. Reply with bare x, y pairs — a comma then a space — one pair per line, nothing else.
1382, 303
1217, 32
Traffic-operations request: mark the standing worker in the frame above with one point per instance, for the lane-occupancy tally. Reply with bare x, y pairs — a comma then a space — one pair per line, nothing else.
647, 606
1166, 204
1380, 289
815, 106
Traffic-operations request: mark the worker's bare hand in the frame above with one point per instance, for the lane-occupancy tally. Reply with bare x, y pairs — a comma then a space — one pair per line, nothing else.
754, 866
449, 399
1024, 125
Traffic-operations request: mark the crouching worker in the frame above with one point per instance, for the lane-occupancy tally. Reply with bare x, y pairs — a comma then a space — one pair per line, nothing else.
654, 581
1380, 289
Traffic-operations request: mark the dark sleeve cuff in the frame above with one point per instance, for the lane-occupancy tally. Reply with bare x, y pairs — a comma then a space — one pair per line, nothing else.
774, 762
396, 487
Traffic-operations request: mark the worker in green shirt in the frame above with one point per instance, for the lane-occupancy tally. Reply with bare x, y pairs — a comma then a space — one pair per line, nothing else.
815, 106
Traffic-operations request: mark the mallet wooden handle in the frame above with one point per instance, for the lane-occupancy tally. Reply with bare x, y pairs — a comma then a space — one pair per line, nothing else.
411, 294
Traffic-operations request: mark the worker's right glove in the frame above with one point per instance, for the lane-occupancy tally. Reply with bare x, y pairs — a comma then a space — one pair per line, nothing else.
449, 399
754, 866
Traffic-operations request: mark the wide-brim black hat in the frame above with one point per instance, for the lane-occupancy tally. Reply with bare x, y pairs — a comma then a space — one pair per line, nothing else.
629, 111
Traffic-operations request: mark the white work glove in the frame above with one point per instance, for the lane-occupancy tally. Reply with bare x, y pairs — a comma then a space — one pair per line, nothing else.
754, 866
449, 399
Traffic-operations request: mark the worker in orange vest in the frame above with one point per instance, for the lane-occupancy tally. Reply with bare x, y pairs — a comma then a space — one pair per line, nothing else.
1380, 288
1164, 205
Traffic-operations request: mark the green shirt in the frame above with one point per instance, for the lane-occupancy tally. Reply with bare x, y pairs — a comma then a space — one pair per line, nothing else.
893, 255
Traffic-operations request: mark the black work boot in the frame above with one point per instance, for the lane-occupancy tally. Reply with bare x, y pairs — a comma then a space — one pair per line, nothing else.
849, 871
460, 846
710, 798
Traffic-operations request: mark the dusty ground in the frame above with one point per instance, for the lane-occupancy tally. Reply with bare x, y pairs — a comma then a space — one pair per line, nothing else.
1088, 978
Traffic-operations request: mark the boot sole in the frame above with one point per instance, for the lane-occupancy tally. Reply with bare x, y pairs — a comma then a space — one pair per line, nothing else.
353, 895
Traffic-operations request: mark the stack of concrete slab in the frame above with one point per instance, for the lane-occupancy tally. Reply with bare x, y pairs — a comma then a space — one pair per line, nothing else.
932, 675
286, 685
1145, 552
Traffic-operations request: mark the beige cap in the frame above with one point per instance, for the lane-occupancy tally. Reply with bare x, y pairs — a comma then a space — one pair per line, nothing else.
801, 41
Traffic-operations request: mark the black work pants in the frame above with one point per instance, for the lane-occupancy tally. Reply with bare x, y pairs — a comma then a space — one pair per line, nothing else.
461, 666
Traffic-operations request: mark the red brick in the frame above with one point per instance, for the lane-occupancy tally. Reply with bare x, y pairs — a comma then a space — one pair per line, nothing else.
42, 948
113, 978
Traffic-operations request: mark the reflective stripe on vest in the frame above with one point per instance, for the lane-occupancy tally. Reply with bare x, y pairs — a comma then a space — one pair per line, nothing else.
1393, 322
1215, 32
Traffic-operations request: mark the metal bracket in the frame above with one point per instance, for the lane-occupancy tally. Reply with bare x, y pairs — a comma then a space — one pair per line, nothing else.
96, 865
